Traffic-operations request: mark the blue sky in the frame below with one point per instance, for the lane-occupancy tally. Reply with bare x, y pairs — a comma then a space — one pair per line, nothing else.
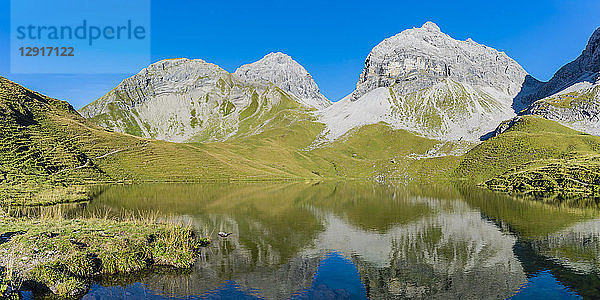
331, 39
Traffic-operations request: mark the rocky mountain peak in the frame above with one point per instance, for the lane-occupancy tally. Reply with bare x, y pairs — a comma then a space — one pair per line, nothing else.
169, 76
278, 57
593, 46
280, 69
584, 69
572, 96
424, 81
421, 57
590, 61
431, 26
180, 66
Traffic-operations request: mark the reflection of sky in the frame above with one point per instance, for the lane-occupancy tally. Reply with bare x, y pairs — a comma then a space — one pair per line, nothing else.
336, 278
544, 286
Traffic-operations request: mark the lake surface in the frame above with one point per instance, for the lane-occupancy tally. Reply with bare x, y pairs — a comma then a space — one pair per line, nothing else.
357, 241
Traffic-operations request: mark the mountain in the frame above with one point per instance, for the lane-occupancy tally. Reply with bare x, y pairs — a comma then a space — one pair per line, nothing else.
49, 153
572, 96
183, 100
281, 70
584, 69
424, 81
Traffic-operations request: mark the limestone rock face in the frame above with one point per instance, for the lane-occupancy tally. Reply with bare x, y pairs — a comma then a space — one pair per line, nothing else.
284, 72
586, 68
422, 57
424, 81
572, 96
577, 108
173, 100
183, 100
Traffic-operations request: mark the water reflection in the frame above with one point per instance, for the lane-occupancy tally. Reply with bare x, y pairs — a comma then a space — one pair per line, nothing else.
350, 240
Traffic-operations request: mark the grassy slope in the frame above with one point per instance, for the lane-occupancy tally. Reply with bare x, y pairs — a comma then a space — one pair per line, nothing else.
275, 138
535, 155
45, 144
382, 153
36, 146
531, 139
570, 100
370, 152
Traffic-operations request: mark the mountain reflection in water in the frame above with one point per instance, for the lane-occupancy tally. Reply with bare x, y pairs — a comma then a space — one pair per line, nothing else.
355, 241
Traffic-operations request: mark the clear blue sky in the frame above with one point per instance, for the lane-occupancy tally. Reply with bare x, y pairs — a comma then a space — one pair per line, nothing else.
331, 39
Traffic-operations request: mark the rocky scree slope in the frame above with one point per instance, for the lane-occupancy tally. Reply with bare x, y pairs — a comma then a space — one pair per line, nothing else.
572, 96
424, 81
183, 100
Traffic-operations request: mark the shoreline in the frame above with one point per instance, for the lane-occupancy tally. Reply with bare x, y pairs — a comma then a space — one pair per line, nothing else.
63, 256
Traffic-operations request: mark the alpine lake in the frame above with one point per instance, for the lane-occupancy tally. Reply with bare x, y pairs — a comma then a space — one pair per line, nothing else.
352, 240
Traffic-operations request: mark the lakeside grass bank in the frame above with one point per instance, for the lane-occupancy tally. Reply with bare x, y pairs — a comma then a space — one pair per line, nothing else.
63, 256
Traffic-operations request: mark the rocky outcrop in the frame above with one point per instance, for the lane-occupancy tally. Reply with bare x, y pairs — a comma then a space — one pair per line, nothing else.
183, 100
586, 68
424, 81
422, 57
284, 72
579, 109
505, 126
572, 96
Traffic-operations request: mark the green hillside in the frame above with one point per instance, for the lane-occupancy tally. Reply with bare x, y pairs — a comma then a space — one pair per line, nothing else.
51, 154
535, 156
378, 152
37, 146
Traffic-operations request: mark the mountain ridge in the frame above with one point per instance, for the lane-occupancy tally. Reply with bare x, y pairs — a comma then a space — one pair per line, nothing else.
430, 53
585, 68
420, 80
281, 70
572, 95
424, 81
183, 100
424, 123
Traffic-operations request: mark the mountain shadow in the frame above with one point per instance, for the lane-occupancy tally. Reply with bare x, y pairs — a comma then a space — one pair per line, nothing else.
528, 93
